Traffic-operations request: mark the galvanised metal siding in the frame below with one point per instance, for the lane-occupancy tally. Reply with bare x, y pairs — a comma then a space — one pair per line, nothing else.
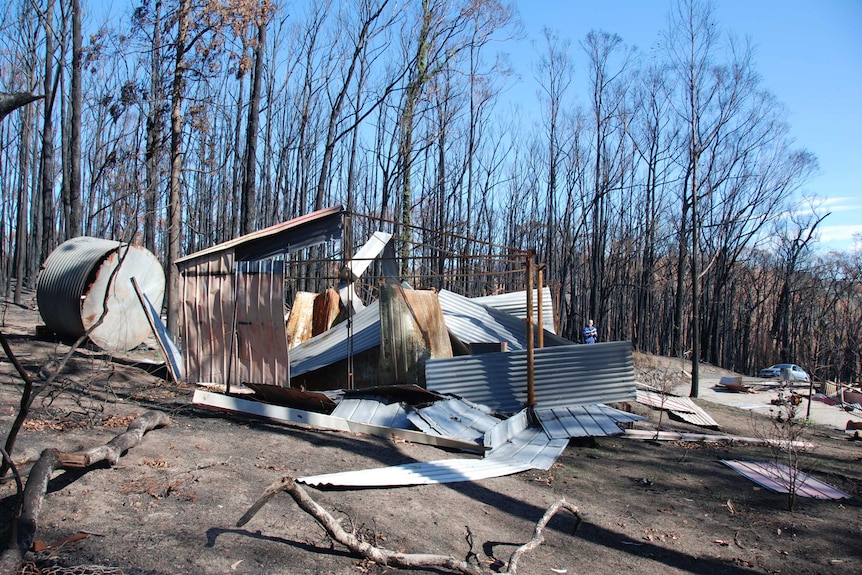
331, 346
583, 421
64, 279
373, 411
565, 376
473, 322
515, 303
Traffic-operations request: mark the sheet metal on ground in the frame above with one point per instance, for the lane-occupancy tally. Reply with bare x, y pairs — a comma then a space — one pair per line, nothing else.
777, 477
584, 421
532, 449
565, 376
682, 407
648, 435
373, 411
323, 421
454, 418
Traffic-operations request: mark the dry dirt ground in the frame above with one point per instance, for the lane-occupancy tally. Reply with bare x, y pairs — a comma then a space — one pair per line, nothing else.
171, 504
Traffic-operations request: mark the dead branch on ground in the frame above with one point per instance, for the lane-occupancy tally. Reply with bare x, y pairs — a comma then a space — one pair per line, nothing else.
24, 529
387, 557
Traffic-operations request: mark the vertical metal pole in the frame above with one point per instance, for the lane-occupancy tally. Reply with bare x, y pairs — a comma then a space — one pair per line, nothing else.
540, 271
531, 375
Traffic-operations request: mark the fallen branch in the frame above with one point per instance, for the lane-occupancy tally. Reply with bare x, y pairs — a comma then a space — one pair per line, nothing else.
24, 530
387, 557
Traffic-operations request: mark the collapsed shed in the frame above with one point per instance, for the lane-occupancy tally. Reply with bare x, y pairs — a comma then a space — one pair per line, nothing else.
231, 320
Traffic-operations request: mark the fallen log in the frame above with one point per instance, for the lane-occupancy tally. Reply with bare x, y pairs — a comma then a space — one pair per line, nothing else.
387, 557
24, 530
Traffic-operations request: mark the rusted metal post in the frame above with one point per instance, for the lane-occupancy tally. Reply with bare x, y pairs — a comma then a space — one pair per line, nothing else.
540, 272
531, 376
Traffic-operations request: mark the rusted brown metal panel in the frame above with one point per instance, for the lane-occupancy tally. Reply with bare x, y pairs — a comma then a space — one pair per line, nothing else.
300, 318
326, 308
206, 317
412, 330
261, 340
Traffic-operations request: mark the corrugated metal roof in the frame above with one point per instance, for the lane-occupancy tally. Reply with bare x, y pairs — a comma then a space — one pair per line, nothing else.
780, 478
515, 303
584, 421
565, 376
454, 418
373, 411
532, 449
292, 235
682, 407
331, 346
473, 322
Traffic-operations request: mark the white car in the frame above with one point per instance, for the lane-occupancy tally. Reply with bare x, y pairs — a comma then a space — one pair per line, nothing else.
774, 372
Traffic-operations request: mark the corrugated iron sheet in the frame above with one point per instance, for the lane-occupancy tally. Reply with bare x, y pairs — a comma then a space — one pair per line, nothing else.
473, 322
779, 478
532, 449
373, 411
515, 303
331, 346
532, 445
365, 255
207, 306
584, 421
284, 414
172, 355
286, 237
64, 279
412, 330
565, 376
682, 407
507, 430
454, 418
443, 471
261, 341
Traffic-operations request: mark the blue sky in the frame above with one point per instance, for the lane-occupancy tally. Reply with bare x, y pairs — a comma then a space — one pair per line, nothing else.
808, 53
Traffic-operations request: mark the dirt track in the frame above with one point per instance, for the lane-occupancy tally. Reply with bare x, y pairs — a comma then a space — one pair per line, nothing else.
171, 504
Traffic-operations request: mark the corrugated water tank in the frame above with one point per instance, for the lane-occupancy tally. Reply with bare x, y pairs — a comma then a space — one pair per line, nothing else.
77, 276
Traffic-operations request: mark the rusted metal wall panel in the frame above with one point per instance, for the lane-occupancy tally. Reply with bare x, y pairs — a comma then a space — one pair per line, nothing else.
261, 340
326, 308
206, 317
564, 376
412, 330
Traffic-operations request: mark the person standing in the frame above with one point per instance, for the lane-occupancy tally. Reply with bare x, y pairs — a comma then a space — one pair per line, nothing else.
590, 333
